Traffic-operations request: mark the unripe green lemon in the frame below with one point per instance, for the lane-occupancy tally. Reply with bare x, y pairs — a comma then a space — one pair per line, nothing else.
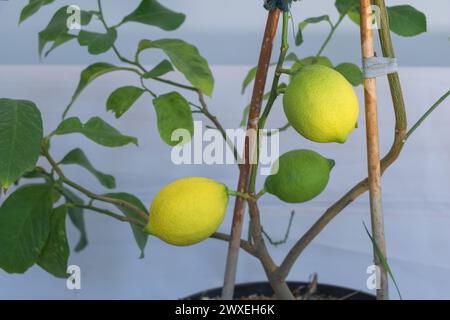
187, 211
302, 175
321, 104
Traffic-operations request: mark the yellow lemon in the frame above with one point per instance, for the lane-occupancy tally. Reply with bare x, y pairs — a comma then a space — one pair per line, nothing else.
321, 104
187, 211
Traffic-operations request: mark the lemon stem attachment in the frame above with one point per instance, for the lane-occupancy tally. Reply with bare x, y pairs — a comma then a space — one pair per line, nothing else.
261, 193
281, 71
240, 194
281, 91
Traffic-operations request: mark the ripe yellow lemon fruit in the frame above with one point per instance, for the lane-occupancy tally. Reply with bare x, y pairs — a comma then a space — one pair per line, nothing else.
301, 176
187, 211
321, 104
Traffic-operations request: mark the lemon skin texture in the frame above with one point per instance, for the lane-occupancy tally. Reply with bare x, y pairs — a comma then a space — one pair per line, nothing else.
321, 104
187, 211
302, 175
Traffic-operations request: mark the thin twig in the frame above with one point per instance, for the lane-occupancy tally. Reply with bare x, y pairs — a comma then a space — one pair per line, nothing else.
111, 214
426, 115
330, 35
117, 202
205, 110
247, 247
137, 63
286, 235
154, 95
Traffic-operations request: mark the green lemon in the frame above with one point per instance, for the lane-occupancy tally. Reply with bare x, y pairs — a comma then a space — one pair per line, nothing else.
187, 211
302, 175
321, 104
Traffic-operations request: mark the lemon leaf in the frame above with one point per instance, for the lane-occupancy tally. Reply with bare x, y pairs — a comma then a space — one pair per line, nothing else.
173, 113
351, 72
97, 130
140, 236
77, 156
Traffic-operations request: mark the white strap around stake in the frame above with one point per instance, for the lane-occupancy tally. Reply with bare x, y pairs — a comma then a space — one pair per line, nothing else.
379, 66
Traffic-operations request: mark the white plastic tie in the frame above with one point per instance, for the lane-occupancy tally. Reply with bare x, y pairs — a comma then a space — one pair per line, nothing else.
379, 66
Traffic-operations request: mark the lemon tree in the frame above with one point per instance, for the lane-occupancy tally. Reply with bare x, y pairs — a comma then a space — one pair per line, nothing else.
319, 103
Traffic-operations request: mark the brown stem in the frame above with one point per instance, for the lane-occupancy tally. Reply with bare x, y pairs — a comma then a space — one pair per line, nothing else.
247, 247
111, 214
252, 124
391, 156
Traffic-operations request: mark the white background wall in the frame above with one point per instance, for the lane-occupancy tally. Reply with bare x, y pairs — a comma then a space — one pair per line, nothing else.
226, 31
416, 189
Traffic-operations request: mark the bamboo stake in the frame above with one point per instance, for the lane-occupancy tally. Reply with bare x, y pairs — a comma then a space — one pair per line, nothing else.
244, 173
373, 152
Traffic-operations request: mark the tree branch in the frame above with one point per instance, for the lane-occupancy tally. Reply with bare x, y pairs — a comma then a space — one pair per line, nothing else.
64, 179
111, 214
247, 247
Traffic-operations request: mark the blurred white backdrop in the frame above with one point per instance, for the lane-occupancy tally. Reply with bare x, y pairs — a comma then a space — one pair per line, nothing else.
416, 189
226, 32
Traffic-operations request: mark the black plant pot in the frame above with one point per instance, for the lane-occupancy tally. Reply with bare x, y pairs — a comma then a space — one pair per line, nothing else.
246, 290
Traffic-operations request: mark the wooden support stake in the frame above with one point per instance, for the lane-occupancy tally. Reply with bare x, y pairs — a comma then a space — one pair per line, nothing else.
244, 175
373, 152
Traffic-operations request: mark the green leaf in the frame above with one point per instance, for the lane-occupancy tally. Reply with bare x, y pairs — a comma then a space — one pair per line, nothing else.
20, 139
95, 129
302, 25
76, 216
32, 7
88, 75
139, 235
54, 256
309, 61
186, 58
292, 57
97, 42
354, 15
251, 74
24, 227
383, 260
173, 112
60, 40
343, 6
77, 156
161, 69
406, 21
151, 12
122, 99
351, 72
58, 26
